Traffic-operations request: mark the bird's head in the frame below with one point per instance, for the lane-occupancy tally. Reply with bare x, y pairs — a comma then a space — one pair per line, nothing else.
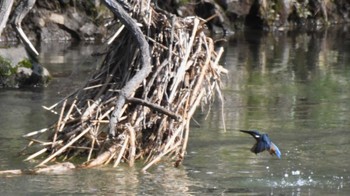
254, 133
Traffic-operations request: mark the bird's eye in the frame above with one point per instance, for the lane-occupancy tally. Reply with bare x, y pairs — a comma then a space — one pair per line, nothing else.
257, 136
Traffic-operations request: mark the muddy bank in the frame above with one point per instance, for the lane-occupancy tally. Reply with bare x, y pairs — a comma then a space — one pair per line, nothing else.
87, 20
264, 14
63, 21
48, 21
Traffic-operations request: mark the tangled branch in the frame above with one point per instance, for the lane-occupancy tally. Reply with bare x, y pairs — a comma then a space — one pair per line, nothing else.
144, 101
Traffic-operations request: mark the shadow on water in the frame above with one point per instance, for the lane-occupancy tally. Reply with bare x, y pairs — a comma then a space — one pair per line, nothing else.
292, 85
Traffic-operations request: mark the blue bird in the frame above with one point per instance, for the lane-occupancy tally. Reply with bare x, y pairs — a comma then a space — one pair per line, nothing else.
263, 142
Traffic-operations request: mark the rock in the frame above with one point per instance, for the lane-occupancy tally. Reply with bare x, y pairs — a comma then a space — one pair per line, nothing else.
207, 9
88, 30
57, 18
23, 72
52, 21
52, 32
38, 76
16, 70
236, 11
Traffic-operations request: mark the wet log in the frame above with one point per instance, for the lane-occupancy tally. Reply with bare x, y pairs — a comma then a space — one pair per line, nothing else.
58, 168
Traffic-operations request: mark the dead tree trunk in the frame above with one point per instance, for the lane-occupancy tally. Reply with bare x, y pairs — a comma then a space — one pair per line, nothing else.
18, 15
5, 9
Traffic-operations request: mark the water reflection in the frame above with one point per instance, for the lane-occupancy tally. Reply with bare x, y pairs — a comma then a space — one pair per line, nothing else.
295, 86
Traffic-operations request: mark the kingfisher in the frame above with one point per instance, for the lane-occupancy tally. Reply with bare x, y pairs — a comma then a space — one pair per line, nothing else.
263, 142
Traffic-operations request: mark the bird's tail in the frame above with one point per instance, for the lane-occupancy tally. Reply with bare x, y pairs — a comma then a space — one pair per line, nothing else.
275, 150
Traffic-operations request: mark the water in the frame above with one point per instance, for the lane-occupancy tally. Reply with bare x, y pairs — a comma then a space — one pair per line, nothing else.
294, 87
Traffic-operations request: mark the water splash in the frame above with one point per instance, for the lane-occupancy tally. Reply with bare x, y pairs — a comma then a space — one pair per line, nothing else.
296, 179
293, 182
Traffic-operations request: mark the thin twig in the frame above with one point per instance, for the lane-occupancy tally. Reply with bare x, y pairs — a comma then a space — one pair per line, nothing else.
155, 107
36, 154
58, 152
122, 150
59, 122
132, 148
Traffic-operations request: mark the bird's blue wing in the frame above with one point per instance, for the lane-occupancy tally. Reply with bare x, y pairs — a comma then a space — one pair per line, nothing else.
260, 146
275, 149
253, 149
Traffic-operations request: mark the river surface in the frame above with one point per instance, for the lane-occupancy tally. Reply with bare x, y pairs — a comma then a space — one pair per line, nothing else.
294, 86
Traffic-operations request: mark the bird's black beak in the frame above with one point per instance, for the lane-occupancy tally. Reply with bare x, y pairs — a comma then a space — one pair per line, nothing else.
249, 132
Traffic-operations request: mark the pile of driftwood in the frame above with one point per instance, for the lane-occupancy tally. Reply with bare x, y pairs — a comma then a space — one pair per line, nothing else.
139, 103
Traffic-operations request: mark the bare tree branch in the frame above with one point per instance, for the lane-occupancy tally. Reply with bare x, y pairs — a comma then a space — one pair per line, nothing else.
134, 82
20, 12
